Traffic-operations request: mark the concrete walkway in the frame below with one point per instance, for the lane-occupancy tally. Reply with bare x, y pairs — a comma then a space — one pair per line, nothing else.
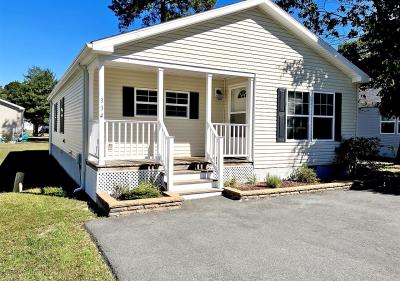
336, 235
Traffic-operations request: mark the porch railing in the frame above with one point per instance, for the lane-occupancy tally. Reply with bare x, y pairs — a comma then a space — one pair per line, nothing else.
94, 138
130, 139
165, 153
214, 153
235, 139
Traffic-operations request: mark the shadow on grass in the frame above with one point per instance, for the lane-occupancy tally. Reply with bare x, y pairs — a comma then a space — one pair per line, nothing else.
41, 170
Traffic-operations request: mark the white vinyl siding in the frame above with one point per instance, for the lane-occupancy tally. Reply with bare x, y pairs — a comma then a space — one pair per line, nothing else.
369, 126
72, 91
250, 41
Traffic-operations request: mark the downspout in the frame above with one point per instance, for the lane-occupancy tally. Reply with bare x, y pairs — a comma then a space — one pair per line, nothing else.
85, 117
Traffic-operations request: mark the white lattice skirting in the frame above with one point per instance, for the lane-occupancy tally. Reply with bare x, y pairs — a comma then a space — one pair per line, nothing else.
240, 173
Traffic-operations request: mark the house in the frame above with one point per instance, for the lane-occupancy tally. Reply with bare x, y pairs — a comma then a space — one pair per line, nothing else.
372, 124
235, 91
11, 119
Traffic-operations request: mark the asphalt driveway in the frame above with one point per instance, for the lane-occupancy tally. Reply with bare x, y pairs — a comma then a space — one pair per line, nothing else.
336, 235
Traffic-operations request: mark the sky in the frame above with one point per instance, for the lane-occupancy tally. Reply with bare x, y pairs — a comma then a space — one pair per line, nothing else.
49, 34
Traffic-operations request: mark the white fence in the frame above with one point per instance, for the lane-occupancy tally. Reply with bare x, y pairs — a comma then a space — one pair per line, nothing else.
235, 139
130, 139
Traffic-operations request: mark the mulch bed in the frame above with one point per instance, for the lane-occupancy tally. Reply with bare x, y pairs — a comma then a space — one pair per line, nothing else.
262, 185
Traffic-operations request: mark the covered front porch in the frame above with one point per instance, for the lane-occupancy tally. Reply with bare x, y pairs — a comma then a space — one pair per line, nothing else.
161, 113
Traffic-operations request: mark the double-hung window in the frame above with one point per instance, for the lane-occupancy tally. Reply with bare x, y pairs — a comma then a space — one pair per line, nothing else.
177, 104
388, 125
323, 116
298, 104
55, 117
146, 102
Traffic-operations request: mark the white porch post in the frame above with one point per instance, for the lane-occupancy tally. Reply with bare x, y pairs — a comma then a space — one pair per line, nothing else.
208, 111
101, 115
249, 118
160, 94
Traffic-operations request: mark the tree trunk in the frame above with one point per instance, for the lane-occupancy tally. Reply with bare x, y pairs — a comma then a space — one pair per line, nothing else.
397, 159
35, 129
163, 11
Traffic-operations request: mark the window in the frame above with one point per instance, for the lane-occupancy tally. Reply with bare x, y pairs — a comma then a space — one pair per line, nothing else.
323, 116
62, 115
146, 102
398, 125
55, 117
388, 125
297, 115
177, 104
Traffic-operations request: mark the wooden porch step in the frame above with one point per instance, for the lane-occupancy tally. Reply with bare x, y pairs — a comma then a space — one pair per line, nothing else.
190, 182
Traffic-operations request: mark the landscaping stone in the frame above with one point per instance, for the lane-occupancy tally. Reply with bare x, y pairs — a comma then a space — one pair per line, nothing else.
236, 194
114, 207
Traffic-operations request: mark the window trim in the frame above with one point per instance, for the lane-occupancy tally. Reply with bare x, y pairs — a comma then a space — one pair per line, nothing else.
62, 115
333, 117
310, 116
55, 117
145, 102
174, 104
297, 115
394, 121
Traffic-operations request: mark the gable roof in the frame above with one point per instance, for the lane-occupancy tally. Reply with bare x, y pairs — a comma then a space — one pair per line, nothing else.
107, 45
12, 105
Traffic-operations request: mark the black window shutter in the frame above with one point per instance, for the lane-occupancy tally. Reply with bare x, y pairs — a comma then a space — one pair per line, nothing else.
338, 116
128, 101
281, 115
194, 105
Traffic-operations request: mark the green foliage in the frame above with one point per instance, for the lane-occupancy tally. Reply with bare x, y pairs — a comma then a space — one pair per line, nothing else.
304, 174
231, 182
273, 181
353, 151
153, 12
32, 94
145, 189
252, 179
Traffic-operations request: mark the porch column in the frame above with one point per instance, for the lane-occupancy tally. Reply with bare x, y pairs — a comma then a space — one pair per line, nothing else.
101, 114
208, 111
160, 95
249, 118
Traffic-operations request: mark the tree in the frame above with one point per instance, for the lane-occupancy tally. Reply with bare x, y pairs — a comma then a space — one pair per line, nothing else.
32, 94
153, 12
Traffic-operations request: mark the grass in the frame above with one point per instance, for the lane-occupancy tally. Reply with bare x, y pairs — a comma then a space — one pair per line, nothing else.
6, 148
42, 238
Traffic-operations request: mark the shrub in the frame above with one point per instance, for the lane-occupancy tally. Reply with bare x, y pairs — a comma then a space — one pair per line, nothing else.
231, 182
273, 181
145, 189
252, 179
353, 151
304, 174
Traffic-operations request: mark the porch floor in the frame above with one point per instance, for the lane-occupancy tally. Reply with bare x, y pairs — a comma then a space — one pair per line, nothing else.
177, 161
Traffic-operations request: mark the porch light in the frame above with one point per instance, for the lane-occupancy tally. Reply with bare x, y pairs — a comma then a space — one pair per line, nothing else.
219, 94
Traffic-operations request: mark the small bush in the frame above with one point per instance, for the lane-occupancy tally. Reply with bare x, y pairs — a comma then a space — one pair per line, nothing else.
273, 181
354, 151
304, 174
231, 182
144, 190
252, 179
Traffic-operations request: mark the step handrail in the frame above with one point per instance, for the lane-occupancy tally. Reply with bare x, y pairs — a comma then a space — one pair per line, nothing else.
165, 153
215, 153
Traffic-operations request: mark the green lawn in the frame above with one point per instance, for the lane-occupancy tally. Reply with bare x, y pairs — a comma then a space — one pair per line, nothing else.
42, 238
5, 148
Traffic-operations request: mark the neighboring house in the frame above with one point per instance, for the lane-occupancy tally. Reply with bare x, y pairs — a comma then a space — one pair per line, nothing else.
11, 119
372, 124
237, 90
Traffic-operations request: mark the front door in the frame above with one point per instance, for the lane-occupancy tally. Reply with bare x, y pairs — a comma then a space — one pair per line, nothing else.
237, 104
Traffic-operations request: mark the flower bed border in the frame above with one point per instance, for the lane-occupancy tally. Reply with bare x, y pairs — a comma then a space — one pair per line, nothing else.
236, 194
114, 207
